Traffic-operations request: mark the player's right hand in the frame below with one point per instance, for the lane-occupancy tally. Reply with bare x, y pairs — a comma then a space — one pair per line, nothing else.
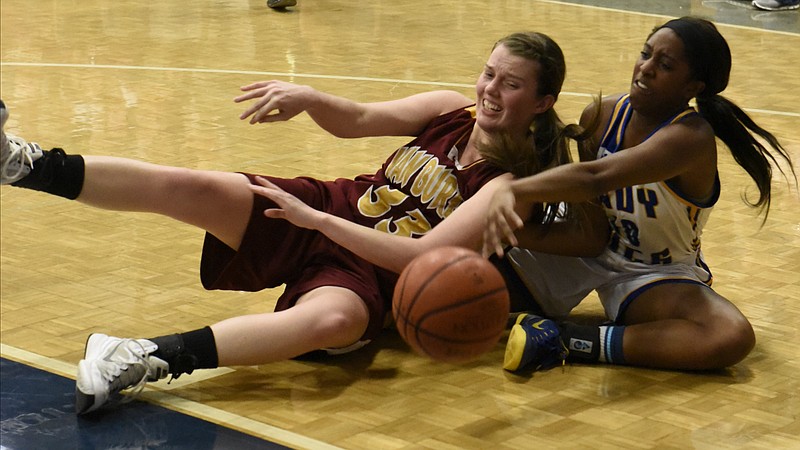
274, 100
501, 221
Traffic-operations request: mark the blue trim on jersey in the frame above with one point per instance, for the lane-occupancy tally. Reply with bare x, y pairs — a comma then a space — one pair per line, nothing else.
609, 138
621, 116
623, 307
708, 203
701, 263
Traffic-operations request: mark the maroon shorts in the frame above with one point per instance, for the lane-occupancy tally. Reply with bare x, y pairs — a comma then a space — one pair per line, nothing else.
275, 252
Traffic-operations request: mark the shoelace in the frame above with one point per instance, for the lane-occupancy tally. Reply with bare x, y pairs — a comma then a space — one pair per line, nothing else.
16, 153
554, 351
120, 371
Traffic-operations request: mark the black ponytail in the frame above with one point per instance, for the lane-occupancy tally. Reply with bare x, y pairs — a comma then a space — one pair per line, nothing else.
710, 60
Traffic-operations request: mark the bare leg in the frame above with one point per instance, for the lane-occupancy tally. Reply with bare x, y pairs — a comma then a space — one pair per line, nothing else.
327, 317
685, 326
217, 202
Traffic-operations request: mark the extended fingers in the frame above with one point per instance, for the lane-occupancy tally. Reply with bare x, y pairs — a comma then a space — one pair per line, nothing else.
265, 188
246, 96
258, 110
252, 91
263, 104
255, 106
267, 185
256, 85
489, 246
507, 231
499, 231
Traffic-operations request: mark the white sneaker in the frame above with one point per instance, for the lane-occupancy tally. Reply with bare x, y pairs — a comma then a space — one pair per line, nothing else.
111, 365
16, 155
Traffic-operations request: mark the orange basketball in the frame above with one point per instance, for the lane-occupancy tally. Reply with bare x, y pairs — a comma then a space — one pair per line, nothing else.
451, 304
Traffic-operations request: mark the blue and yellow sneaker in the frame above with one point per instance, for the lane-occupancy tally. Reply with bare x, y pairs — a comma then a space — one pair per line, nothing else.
535, 344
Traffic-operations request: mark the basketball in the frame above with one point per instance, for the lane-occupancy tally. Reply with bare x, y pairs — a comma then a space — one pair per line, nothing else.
451, 305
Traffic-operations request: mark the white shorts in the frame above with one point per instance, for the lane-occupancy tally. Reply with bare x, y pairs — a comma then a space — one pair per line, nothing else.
560, 283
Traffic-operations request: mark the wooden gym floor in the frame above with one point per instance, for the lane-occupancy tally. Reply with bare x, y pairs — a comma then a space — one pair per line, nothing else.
155, 81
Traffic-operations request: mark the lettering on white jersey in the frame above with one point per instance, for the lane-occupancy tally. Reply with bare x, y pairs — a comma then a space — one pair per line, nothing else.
652, 223
624, 200
626, 238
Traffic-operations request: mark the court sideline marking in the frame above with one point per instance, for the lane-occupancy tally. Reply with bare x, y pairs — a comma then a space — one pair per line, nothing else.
192, 408
664, 16
308, 75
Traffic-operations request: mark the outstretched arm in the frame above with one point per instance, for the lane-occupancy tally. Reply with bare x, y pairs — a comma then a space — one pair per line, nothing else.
584, 233
676, 152
280, 101
462, 228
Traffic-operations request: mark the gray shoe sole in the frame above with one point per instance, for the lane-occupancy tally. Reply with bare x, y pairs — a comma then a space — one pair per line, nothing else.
281, 3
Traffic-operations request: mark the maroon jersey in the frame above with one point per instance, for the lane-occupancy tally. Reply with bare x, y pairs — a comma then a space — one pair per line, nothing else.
416, 188
420, 185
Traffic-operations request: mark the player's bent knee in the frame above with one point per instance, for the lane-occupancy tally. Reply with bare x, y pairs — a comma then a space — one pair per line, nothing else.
741, 341
338, 317
339, 329
731, 345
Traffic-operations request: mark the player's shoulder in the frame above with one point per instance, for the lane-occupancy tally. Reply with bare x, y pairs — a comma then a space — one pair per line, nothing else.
602, 106
694, 125
609, 102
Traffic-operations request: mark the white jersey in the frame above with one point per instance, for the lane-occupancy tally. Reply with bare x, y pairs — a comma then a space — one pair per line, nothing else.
655, 239
652, 223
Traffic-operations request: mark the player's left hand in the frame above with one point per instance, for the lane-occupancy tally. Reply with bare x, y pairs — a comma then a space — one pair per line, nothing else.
289, 207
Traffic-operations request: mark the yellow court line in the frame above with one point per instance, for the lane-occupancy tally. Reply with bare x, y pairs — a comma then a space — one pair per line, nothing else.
192, 408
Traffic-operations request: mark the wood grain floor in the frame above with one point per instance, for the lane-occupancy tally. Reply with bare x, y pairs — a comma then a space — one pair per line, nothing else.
155, 81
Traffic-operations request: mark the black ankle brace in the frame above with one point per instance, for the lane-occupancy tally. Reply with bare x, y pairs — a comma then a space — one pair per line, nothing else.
56, 173
186, 352
169, 347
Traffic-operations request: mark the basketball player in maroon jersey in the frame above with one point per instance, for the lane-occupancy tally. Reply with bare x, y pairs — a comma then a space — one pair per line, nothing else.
333, 299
